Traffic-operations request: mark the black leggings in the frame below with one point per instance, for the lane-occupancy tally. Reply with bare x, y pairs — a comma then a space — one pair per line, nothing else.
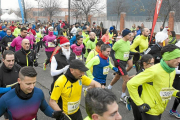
48, 54
176, 103
76, 116
150, 117
38, 47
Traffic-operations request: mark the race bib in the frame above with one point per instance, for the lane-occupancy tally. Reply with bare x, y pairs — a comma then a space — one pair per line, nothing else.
51, 44
166, 93
126, 55
9, 44
79, 57
105, 70
73, 106
34, 119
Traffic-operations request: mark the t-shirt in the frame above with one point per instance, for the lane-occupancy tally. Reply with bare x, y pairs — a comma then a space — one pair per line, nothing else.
69, 93
122, 49
90, 45
77, 49
105, 38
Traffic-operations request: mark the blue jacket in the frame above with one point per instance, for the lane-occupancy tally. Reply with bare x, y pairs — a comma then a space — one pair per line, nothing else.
73, 40
3, 34
138, 32
34, 27
55, 33
19, 109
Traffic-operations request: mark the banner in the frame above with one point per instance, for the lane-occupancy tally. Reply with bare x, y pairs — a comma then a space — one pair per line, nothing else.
21, 9
156, 13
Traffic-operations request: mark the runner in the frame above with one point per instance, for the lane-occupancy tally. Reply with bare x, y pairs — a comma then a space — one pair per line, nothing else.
23, 102
101, 64
157, 85
122, 50
49, 45
38, 40
6, 41
16, 43
61, 60
8, 74
25, 56
74, 38
78, 47
101, 104
17, 31
66, 93
155, 50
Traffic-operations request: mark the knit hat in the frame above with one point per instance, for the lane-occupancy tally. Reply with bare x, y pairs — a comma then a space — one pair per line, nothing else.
161, 36
50, 28
83, 28
3, 27
125, 32
63, 41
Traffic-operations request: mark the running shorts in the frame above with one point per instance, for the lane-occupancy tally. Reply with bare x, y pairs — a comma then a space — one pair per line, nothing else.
122, 67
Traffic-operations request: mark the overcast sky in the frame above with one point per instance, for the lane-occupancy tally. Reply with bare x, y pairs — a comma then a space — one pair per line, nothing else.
13, 4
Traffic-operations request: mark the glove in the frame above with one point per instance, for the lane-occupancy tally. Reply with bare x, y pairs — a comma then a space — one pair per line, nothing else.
35, 63
144, 108
115, 69
178, 94
65, 68
57, 114
116, 64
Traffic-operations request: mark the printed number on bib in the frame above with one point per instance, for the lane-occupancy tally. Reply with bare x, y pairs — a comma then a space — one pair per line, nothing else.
50, 44
126, 55
105, 70
9, 44
73, 106
79, 57
166, 93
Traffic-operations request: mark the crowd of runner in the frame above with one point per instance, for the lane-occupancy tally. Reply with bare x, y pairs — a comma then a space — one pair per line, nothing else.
81, 54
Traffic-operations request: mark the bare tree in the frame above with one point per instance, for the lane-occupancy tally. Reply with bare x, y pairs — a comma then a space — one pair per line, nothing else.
76, 13
87, 6
118, 6
51, 7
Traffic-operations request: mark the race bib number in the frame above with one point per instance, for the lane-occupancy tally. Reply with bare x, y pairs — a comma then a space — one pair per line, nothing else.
73, 106
9, 44
50, 44
105, 70
79, 57
34, 119
166, 93
126, 55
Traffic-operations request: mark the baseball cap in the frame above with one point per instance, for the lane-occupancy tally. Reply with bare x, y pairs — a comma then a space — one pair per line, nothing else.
78, 64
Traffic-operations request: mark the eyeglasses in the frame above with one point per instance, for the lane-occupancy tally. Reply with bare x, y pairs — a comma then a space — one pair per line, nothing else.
151, 63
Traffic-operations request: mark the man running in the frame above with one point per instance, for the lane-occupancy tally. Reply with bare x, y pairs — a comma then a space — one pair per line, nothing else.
23, 102
122, 50
66, 93
101, 64
157, 85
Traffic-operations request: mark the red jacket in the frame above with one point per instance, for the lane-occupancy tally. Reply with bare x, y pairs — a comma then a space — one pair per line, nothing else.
12, 28
33, 31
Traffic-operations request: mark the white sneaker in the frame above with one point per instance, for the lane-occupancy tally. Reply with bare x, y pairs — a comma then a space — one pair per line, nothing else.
124, 99
36, 57
38, 54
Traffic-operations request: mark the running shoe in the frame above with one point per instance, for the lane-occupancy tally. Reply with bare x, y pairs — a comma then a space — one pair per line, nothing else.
44, 66
176, 114
84, 91
36, 57
128, 105
38, 54
124, 99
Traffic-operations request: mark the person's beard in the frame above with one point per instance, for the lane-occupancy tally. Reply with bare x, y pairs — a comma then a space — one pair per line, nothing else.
66, 52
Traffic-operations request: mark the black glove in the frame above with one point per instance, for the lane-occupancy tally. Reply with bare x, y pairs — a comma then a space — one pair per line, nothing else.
144, 108
0, 61
116, 64
59, 115
35, 63
178, 94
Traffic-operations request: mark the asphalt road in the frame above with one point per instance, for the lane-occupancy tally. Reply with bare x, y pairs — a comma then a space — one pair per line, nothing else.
44, 81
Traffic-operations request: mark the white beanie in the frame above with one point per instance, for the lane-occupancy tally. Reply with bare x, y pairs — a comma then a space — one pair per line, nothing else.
50, 28
161, 36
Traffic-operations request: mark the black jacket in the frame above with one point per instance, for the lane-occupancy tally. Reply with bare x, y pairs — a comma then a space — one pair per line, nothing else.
22, 58
155, 51
9, 76
62, 61
5, 40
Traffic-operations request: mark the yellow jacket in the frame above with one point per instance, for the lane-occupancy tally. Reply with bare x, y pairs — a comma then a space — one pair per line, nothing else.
153, 80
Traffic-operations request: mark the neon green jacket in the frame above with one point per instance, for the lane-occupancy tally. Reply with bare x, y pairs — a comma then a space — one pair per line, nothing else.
142, 42
153, 80
91, 54
17, 32
87, 118
172, 40
85, 36
38, 36
87, 39
111, 37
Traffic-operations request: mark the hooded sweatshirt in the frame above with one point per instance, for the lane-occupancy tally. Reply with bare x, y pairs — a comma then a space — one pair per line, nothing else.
49, 38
